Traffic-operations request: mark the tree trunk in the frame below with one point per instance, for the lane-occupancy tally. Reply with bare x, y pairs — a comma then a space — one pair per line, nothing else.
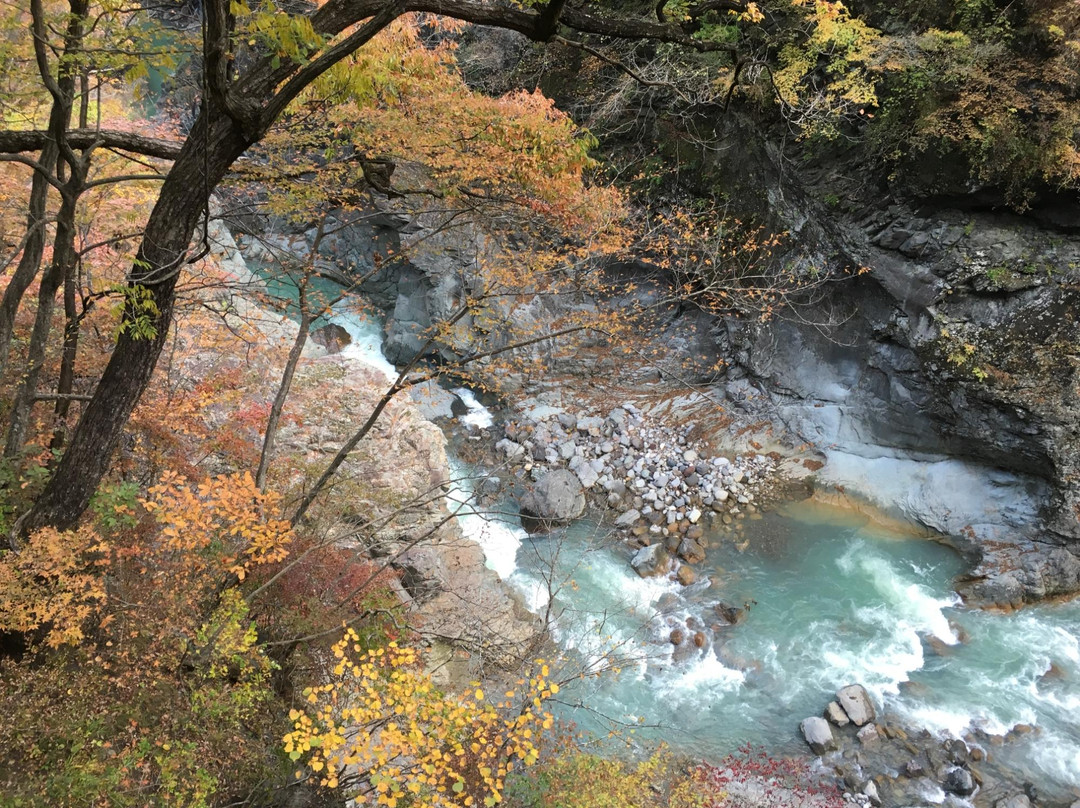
66, 383
63, 258
216, 141
283, 391
30, 262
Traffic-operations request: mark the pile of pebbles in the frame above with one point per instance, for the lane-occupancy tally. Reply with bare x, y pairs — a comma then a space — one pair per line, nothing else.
662, 486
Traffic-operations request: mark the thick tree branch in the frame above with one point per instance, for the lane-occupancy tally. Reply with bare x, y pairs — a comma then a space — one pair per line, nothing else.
16, 142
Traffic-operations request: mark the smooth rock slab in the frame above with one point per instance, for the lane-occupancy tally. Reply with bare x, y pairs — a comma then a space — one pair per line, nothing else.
835, 713
818, 735
628, 519
857, 704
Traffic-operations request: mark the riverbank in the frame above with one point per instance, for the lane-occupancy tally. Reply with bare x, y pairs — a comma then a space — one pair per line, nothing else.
393, 487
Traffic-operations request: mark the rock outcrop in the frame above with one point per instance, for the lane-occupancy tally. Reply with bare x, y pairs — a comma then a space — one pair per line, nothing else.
942, 378
444, 579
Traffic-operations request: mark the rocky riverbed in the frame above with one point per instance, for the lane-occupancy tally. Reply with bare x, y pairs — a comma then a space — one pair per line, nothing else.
662, 489
878, 760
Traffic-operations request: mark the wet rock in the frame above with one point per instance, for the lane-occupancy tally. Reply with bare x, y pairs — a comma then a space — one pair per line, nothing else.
677, 637
835, 713
868, 735
558, 498
856, 703
691, 551
914, 768
818, 735
331, 336
959, 781
651, 560
686, 575
1015, 801
871, 791
729, 614
956, 751
700, 640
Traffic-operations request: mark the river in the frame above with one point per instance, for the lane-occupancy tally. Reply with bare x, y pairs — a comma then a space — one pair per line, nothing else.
832, 601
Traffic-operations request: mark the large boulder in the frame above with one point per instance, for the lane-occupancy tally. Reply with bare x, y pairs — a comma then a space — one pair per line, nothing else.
686, 575
959, 781
818, 735
558, 498
691, 551
857, 704
651, 560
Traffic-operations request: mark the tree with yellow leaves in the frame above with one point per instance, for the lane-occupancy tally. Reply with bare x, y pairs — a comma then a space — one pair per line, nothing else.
382, 729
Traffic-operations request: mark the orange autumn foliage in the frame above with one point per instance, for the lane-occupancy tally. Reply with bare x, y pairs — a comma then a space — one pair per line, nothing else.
54, 584
223, 525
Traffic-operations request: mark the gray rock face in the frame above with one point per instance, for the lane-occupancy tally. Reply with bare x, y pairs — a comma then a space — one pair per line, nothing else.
557, 498
818, 735
628, 519
954, 354
651, 560
856, 703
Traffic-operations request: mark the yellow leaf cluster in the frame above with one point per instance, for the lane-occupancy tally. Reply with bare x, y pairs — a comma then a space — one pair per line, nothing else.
382, 722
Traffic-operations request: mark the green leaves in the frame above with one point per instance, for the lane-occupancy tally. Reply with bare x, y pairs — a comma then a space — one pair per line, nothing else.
137, 309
